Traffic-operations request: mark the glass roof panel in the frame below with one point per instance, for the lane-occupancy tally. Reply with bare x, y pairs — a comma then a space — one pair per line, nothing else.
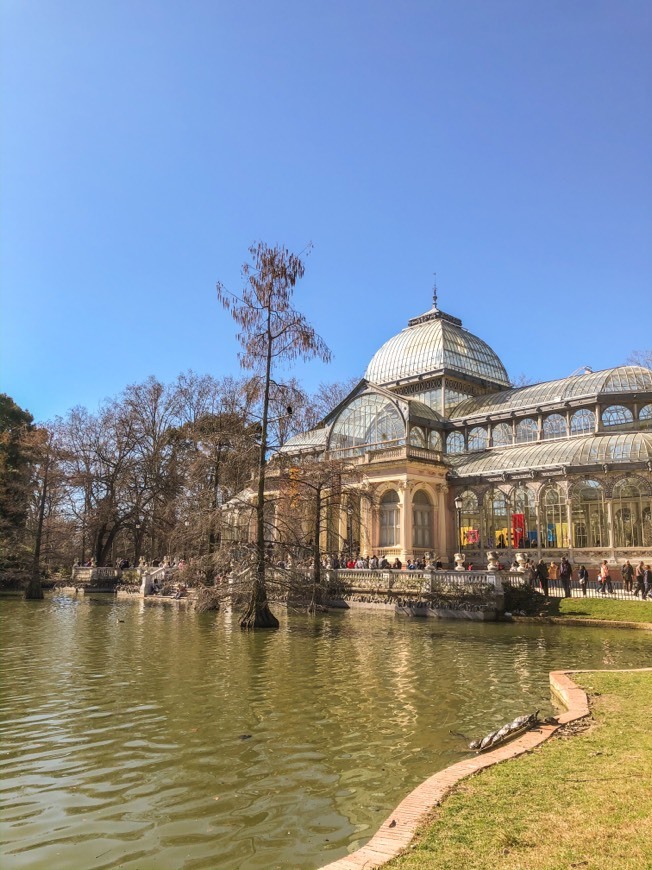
590, 385
590, 450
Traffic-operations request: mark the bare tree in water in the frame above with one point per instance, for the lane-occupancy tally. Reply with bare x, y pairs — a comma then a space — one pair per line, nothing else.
271, 332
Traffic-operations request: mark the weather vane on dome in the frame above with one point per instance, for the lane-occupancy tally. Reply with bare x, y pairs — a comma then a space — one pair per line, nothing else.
434, 290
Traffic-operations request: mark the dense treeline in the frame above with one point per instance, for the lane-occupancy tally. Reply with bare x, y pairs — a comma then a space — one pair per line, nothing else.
144, 475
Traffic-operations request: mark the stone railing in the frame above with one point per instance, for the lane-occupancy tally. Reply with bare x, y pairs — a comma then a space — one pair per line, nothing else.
94, 576
415, 582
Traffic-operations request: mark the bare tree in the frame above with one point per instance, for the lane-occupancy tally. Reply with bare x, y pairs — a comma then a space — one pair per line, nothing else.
272, 332
641, 358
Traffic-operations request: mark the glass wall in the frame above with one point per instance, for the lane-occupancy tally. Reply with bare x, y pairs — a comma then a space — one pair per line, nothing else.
554, 525
554, 426
418, 437
469, 520
589, 519
617, 415
632, 515
422, 520
523, 524
478, 438
370, 422
455, 443
496, 519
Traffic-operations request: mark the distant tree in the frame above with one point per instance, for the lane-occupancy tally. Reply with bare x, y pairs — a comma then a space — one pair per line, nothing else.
641, 358
16, 458
272, 333
521, 380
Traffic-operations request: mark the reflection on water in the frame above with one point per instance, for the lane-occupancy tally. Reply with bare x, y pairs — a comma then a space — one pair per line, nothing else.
145, 736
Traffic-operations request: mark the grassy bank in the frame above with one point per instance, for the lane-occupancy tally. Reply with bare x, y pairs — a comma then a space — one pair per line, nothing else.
576, 801
595, 608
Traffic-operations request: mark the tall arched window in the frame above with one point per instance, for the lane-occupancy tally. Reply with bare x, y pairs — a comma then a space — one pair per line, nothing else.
389, 519
523, 525
478, 438
582, 422
496, 519
501, 435
554, 526
589, 521
417, 437
469, 520
422, 520
527, 430
434, 440
455, 443
617, 415
554, 426
632, 515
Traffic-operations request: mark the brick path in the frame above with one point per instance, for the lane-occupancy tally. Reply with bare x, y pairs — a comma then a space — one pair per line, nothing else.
398, 829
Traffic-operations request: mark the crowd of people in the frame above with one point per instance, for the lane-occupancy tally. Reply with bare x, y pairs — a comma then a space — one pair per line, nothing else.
542, 574
343, 561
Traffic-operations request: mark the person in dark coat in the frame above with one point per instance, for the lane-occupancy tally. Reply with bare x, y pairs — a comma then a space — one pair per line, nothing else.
542, 576
566, 575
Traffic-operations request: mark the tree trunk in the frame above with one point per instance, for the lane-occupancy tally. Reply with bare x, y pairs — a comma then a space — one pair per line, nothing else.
258, 614
316, 603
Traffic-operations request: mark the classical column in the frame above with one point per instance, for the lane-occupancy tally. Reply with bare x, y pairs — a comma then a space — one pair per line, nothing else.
406, 520
441, 548
365, 527
610, 523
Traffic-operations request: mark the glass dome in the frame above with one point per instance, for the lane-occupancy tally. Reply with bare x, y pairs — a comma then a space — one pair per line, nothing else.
435, 342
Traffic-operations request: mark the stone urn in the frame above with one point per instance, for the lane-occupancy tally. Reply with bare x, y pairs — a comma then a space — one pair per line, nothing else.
521, 559
492, 560
459, 561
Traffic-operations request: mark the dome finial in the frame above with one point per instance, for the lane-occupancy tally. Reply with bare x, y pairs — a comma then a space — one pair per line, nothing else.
434, 290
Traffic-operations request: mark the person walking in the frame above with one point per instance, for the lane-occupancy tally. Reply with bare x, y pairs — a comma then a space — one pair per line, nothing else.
648, 582
553, 572
640, 580
605, 579
628, 575
542, 576
583, 576
566, 574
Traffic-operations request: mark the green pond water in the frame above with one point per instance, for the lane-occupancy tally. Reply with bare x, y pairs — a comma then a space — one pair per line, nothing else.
138, 735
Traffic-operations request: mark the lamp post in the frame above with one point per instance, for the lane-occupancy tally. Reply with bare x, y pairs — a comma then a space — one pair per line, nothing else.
459, 504
349, 528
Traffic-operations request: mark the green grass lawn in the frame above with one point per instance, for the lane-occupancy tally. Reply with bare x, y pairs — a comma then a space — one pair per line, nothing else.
577, 801
596, 608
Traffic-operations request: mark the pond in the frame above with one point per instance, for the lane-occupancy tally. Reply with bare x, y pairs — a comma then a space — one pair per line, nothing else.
141, 735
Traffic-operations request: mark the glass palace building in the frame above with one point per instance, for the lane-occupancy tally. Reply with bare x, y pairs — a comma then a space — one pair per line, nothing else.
450, 456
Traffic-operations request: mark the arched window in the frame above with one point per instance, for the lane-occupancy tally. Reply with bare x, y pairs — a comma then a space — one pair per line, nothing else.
389, 519
645, 415
632, 515
523, 524
421, 520
417, 437
554, 526
434, 440
582, 422
616, 415
527, 430
554, 426
501, 435
589, 521
370, 422
496, 519
455, 443
469, 520
478, 438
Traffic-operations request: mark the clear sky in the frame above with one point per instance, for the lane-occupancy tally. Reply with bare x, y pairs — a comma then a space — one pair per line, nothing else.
505, 145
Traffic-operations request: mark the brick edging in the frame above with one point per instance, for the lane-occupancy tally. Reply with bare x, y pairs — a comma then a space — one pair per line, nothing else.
400, 826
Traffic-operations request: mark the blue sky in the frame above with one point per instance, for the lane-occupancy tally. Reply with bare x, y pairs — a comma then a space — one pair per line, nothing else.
504, 145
